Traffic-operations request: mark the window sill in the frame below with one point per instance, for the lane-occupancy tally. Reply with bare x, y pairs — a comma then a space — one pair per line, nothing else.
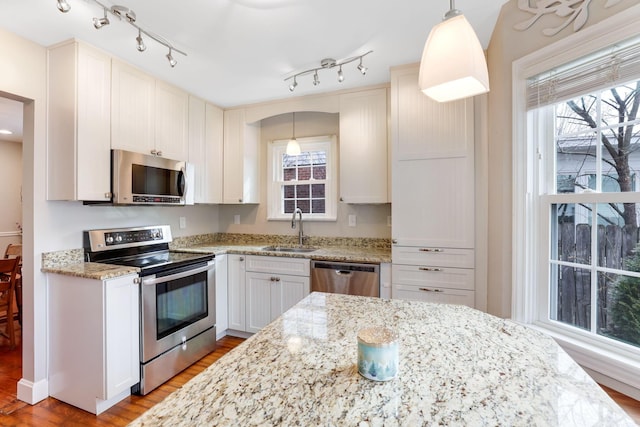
623, 370
304, 218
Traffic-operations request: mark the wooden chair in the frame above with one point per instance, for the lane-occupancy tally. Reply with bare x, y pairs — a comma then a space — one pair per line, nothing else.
14, 250
8, 271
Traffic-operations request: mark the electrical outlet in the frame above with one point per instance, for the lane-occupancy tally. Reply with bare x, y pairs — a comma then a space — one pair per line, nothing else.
352, 220
236, 219
183, 222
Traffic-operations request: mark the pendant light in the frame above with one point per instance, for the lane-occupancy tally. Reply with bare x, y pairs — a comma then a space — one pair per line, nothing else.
293, 148
453, 65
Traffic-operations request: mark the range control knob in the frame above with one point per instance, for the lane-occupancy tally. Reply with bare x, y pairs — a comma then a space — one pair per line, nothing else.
118, 238
109, 239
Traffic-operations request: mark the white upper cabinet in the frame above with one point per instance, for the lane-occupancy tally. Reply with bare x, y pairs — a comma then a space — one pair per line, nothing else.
433, 167
241, 183
132, 109
147, 115
171, 122
206, 149
364, 149
79, 96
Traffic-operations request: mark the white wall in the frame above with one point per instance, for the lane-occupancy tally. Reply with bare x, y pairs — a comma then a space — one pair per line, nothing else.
10, 193
371, 220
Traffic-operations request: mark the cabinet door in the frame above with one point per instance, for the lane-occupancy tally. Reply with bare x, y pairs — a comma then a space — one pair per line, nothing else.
213, 154
288, 291
363, 147
222, 296
435, 295
241, 159
79, 123
171, 122
132, 109
122, 335
197, 147
237, 291
259, 290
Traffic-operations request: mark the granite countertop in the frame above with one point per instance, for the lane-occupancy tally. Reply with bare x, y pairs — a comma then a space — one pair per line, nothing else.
71, 262
458, 366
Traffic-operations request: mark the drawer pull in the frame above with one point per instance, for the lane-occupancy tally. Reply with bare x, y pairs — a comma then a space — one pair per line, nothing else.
431, 250
429, 269
430, 290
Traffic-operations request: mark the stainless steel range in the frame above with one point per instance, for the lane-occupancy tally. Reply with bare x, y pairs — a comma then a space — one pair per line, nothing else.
177, 298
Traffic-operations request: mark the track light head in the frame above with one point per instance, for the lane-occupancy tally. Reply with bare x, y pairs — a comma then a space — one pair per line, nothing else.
101, 22
63, 6
140, 43
171, 59
340, 75
362, 68
293, 85
316, 80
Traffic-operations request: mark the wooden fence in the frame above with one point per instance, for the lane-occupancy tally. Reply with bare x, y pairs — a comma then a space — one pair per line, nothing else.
615, 245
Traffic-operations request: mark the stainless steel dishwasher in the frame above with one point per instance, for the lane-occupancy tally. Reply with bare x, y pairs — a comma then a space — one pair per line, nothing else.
345, 278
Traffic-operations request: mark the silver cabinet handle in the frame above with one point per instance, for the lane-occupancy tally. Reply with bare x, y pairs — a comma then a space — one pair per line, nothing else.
394, 241
431, 250
241, 258
429, 269
430, 290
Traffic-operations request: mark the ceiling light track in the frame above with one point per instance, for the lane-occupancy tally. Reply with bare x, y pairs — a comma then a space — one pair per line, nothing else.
129, 16
326, 64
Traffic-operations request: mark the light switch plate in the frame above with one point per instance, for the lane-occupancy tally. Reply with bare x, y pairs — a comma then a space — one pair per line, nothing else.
183, 222
236, 219
352, 220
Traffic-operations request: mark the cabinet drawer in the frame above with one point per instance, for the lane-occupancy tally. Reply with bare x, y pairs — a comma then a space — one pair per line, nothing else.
442, 296
278, 265
433, 256
433, 277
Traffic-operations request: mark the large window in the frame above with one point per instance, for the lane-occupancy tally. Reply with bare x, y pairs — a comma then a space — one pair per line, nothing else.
576, 196
306, 181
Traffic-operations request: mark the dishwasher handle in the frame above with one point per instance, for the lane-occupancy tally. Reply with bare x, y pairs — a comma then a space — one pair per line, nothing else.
343, 272
345, 267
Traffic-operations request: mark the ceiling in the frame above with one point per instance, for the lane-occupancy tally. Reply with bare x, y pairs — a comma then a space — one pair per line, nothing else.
240, 51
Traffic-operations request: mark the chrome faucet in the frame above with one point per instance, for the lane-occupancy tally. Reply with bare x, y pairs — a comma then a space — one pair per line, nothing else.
293, 225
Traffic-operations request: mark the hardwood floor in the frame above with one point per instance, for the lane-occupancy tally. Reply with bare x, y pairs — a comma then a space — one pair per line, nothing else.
52, 412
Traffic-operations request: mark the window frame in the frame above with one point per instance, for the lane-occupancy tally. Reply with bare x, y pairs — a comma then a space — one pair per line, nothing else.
275, 150
610, 362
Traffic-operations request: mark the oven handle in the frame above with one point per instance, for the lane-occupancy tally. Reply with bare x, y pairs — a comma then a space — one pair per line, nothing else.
155, 280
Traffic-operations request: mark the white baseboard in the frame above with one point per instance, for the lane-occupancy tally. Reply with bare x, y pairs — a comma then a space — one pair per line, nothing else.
33, 393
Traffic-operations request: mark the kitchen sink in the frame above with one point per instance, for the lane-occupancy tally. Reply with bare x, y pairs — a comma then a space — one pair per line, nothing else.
287, 249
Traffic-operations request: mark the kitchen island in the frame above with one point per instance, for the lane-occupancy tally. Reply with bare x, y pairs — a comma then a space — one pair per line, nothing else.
458, 366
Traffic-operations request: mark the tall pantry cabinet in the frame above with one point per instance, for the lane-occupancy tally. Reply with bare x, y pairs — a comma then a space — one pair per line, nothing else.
433, 194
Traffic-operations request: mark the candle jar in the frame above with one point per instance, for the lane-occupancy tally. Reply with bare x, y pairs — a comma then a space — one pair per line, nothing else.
377, 353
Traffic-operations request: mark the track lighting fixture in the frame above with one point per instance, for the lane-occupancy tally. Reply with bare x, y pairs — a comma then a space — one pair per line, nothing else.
171, 59
101, 22
293, 147
63, 6
453, 64
293, 85
328, 63
140, 43
127, 15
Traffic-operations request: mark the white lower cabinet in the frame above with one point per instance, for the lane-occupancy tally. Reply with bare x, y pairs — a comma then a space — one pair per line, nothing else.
261, 288
94, 340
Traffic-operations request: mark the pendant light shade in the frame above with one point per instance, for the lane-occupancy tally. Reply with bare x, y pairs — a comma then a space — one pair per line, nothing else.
453, 65
293, 147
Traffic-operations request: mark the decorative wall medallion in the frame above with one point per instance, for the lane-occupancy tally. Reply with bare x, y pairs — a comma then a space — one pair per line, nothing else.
576, 11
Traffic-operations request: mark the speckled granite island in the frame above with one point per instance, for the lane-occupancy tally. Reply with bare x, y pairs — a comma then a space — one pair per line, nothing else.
458, 366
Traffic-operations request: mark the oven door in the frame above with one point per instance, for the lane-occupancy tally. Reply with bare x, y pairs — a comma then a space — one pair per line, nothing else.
176, 305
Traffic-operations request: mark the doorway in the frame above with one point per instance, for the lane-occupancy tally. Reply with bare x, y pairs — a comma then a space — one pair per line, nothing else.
11, 138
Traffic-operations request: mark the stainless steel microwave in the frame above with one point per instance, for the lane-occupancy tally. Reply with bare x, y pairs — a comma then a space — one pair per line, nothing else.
141, 179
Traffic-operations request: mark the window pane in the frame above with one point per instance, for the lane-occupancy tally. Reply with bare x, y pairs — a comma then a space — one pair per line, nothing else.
619, 306
318, 206
616, 104
575, 162
304, 173
576, 115
289, 206
302, 191
617, 241
289, 191
318, 157
304, 205
572, 230
317, 191
620, 159
571, 296
320, 172
289, 174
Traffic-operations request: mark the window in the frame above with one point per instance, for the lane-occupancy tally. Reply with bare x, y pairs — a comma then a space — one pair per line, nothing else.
306, 181
576, 200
